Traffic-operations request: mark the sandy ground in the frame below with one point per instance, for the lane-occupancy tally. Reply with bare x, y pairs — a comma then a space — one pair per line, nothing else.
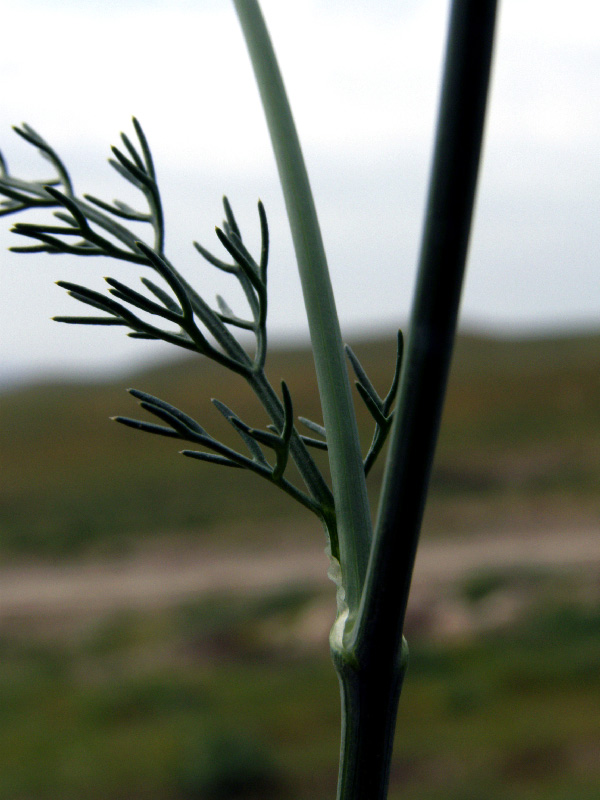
158, 576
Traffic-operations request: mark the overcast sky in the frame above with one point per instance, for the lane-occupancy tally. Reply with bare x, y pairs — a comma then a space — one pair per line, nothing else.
363, 79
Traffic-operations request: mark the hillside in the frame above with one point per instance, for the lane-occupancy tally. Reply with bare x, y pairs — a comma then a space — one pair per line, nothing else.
519, 446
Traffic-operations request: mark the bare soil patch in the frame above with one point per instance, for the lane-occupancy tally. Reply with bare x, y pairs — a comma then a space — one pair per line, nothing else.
174, 572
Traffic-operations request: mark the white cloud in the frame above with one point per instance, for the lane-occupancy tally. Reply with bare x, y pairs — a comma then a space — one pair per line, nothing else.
363, 80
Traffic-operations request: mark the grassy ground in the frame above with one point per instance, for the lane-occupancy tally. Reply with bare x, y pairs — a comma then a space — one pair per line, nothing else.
234, 697
519, 445
226, 698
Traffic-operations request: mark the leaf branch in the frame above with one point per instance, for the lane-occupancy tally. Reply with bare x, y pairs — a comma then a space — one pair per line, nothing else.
379, 409
89, 226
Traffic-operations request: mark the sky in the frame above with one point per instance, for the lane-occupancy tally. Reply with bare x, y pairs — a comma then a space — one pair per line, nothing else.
363, 80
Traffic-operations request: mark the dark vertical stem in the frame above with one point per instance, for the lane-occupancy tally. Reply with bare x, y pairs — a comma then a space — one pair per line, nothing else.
373, 648
369, 691
437, 298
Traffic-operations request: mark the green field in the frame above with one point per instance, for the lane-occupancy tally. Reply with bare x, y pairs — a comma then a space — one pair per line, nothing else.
226, 696
203, 701
520, 445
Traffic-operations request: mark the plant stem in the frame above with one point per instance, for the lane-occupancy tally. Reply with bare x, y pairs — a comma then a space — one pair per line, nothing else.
349, 486
373, 659
370, 691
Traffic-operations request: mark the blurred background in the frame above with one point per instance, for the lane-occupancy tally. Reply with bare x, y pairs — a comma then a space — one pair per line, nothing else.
163, 625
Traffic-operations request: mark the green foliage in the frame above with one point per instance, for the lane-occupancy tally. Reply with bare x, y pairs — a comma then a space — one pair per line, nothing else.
128, 708
480, 585
198, 327
224, 765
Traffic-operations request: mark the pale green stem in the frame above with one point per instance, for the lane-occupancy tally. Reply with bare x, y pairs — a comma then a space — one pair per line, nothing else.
349, 486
